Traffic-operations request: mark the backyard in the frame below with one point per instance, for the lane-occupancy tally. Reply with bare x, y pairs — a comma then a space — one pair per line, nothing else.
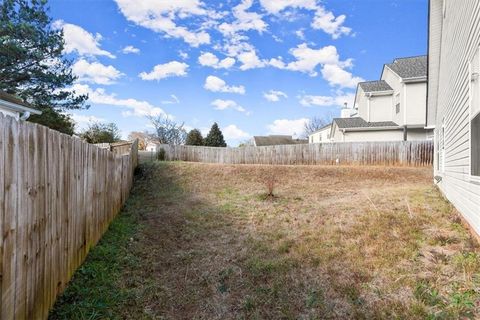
204, 241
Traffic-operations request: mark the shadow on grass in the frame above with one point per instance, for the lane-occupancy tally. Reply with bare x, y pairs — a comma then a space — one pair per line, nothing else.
200, 241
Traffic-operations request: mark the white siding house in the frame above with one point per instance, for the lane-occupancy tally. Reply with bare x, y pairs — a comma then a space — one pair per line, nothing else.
321, 136
152, 146
390, 109
14, 107
454, 102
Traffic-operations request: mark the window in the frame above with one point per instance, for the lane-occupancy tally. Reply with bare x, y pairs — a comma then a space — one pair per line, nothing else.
441, 148
397, 103
475, 115
475, 164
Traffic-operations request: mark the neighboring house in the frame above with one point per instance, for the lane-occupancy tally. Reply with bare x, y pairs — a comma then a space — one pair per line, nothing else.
454, 102
276, 140
357, 129
322, 135
397, 100
152, 146
14, 107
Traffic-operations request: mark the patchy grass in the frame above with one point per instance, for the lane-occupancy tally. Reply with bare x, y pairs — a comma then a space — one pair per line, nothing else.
333, 243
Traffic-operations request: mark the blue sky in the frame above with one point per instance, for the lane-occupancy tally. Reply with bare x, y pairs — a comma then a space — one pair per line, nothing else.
254, 66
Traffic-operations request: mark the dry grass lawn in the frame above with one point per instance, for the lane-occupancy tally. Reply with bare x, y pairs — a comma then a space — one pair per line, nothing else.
332, 243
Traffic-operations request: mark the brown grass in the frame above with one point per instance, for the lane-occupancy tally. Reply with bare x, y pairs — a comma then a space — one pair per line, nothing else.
334, 243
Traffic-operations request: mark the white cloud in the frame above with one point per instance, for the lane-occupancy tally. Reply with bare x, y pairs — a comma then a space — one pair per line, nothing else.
335, 75
82, 121
232, 132
323, 20
287, 127
250, 60
327, 101
210, 60
307, 59
160, 16
81, 41
216, 84
300, 33
276, 6
135, 107
274, 95
220, 104
332, 68
130, 49
183, 55
244, 20
95, 72
174, 100
162, 71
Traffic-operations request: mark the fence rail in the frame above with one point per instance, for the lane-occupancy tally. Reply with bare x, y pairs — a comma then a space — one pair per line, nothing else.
57, 197
397, 153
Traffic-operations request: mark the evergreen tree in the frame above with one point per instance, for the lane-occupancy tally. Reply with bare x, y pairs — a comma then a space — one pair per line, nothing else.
54, 120
215, 137
194, 138
32, 65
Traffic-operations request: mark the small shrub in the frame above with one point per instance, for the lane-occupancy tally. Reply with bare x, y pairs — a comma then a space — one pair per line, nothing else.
161, 155
270, 181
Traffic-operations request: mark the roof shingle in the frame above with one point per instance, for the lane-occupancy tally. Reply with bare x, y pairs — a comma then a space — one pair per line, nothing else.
276, 140
375, 86
411, 67
357, 122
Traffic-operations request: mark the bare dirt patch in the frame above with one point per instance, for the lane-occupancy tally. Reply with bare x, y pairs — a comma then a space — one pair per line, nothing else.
331, 243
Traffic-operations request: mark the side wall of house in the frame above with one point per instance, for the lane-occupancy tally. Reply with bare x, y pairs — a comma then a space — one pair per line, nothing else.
361, 102
381, 108
395, 82
459, 39
416, 94
322, 136
362, 136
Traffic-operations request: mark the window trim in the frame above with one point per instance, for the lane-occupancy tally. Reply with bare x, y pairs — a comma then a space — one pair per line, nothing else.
472, 178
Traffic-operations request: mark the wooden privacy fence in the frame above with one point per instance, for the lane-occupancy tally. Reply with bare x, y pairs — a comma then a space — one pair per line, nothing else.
57, 197
403, 153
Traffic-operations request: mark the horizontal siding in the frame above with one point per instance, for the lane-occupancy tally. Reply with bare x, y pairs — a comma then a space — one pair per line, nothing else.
452, 45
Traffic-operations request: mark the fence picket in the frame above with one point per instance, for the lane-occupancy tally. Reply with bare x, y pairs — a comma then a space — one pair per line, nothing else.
57, 197
396, 153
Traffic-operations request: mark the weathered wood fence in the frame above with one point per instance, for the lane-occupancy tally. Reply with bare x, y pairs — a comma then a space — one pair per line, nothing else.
57, 197
398, 153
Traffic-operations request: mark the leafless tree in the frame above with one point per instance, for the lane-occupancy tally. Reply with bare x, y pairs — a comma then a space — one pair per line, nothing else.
142, 138
168, 131
315, 124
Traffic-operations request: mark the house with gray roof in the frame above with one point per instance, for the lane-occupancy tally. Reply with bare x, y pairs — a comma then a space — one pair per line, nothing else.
276, 140
390, 109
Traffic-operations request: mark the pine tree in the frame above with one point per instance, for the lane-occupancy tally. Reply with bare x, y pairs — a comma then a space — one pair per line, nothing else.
194, 138
32, 64
215, 137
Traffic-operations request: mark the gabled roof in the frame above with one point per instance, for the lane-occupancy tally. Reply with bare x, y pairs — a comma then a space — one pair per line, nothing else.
411, 67
322, 128
357, 122
11, 102
276, 140
375, 86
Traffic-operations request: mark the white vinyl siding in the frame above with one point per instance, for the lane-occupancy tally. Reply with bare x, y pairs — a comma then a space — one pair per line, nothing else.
450, 83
